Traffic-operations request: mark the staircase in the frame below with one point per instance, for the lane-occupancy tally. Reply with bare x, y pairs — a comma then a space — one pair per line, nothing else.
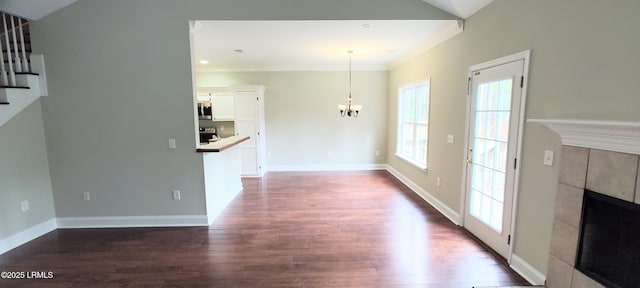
22, 74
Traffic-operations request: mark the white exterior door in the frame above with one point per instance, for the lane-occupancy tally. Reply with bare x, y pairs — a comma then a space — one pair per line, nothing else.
494, 120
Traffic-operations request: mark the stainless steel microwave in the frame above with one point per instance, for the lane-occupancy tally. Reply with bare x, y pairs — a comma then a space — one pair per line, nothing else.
204, 110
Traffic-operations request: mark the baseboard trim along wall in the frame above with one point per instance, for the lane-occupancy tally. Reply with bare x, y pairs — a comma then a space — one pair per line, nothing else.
356, 167
433, 201
133, 221
27, 235
527, 271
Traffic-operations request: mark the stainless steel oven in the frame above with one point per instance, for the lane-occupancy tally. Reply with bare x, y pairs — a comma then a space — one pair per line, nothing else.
208, 134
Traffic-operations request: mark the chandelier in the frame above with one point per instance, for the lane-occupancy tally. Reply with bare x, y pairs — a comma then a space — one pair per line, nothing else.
349, 110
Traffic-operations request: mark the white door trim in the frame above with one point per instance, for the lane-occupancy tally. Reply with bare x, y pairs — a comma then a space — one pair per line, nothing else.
525, 56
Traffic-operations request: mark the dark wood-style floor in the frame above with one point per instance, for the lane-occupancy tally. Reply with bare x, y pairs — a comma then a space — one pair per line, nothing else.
288, 229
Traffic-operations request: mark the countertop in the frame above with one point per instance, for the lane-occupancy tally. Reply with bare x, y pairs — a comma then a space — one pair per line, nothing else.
222, 144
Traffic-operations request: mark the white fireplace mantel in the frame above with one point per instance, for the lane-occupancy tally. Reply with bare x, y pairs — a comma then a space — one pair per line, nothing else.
605, 135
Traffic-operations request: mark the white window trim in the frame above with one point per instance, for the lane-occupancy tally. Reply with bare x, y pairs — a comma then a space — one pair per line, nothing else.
418, 165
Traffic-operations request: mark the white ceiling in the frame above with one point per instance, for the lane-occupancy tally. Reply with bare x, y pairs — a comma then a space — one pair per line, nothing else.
308, 45
322, 45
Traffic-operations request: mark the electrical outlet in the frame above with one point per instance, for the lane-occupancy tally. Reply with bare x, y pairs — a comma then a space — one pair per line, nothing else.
221, 128
176, 195
172, 143
24, 206
86, 196
377, 152
450, 139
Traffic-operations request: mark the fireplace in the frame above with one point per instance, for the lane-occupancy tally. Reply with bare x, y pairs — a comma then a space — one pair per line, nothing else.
609, 243
604, 157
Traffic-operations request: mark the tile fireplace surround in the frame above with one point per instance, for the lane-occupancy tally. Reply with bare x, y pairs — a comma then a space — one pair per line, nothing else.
603, 157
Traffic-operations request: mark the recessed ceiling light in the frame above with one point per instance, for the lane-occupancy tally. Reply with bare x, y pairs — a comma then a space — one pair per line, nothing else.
204, 62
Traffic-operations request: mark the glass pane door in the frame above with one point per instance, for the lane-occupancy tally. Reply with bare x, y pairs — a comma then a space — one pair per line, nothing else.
494, 122
490, 148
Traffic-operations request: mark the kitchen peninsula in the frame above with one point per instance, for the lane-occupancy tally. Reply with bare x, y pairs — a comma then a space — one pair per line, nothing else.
222, 180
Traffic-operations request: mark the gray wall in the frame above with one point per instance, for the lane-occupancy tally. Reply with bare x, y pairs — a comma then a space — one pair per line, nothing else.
120, 84
24, 172
584, 65
303, 127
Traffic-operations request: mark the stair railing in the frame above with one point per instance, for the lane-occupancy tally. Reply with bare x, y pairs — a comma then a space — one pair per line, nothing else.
19, 64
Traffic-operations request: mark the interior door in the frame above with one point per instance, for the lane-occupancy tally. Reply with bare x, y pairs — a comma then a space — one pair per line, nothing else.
246, 122
496, 94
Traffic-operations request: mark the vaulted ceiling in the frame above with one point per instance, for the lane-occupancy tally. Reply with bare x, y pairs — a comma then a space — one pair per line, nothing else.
460, 8
33, 9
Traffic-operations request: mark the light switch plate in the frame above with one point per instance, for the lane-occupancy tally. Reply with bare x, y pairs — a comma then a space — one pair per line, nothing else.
172, 143
548, 158
24, 206
450, 139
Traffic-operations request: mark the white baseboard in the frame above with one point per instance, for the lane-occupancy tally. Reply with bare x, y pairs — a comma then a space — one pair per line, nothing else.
25, 236
132, 221
432, 200
527, 271
282, 168
34, 232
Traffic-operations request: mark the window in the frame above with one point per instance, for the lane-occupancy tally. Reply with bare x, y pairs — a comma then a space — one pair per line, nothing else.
413, 123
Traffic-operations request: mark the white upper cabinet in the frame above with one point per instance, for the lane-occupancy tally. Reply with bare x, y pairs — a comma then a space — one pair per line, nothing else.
223, 106
204, 97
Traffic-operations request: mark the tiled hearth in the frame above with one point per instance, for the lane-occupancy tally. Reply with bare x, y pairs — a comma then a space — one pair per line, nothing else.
601, 162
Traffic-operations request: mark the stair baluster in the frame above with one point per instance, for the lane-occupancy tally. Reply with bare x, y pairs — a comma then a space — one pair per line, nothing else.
12, 74
15, 45
5, 82
25, 62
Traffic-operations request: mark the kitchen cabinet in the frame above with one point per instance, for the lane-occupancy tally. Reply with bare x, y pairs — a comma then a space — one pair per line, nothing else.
223, 106
221, 100
244, 106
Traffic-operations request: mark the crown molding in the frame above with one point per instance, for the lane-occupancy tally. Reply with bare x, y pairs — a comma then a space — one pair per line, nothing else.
292, 67
605, 135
